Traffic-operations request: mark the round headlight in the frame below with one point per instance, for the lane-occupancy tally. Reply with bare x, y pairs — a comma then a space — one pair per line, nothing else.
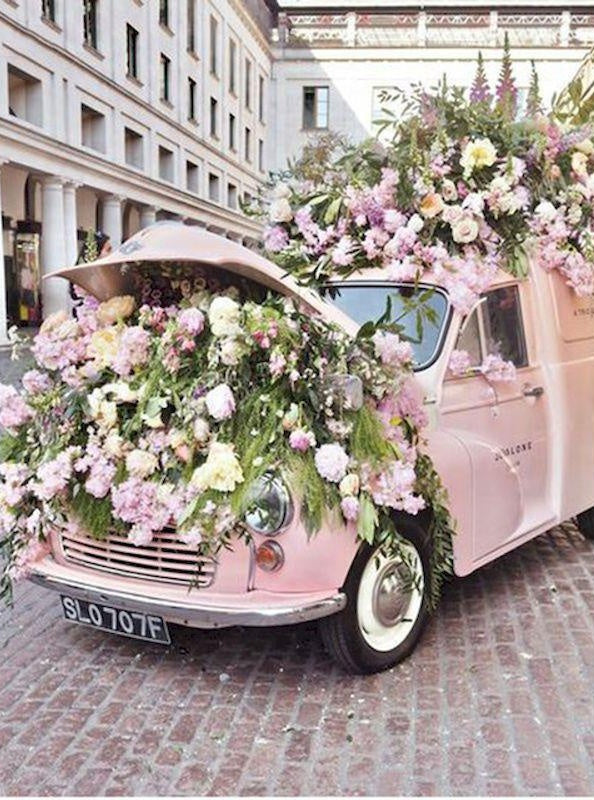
270, 509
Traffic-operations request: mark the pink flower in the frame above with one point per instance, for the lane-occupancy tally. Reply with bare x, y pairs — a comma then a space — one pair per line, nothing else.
142, 504
192, 538
191, 320
36, 382
350, 508
133, 350
390, 348
220, 402
53, 476
12, 488
275, 239
277, 364
27, 555
497, 370
459, 363
13, 409
100, 477
342, 254
331, 462
302, 440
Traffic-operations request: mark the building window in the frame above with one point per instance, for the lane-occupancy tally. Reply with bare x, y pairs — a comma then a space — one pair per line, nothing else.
232, 195
214, 50
232, 137
248, 145
48, 10
315, 107
191, 99
92, 124
165, 73
192, 177
261, 155
248, 83
90, 23
191, 23
166, 172
133, 148
214, 112
261, 98
25, 96
214, 187
131, 51
232, 67
164, 13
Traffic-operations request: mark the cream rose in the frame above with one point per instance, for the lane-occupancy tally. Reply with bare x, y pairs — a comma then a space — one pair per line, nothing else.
280, 210
223, 317
116, 308
465, 230
585, 146
579, 164
201, 430
431, 205
221, 471
103, 346
141, 463
349, 485
477, 154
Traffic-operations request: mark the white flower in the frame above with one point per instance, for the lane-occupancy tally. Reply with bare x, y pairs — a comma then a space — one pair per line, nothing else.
104, 412
141, 463
415, 223
449, 191
280, 210
452, 214
475, 202
114, 444
465, 230
223, 317
349, 485
220, 402
478, 153
201, 430
331, 462
546, 211
121, 392
281, 191
579, 164
221, 471
231, 351
585, 146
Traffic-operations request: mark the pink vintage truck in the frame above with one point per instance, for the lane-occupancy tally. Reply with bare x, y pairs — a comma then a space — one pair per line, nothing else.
517, 459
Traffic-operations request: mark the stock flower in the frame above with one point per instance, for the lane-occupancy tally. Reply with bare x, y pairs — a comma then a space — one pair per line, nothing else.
220, 402
36, 382
53, 476
331, 462
14, 411
192, 537
275, 238
390, 348
459, 363
497, 370
221, 471
350, 508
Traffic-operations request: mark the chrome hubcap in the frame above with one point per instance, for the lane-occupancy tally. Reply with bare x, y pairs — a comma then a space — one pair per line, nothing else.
390, 596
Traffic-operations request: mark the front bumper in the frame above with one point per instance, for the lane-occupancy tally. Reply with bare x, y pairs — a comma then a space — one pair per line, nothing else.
195, 608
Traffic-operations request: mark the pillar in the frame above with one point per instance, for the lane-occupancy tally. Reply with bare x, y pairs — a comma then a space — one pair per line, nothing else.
54, 292
3, 309
148, 216
70, 223
111, 219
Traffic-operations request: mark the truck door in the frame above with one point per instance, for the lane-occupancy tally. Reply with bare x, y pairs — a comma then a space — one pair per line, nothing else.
505, 427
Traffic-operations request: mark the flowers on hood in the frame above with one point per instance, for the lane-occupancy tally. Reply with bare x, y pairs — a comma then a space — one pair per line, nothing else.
478, 153
221, 471
223, 317
331, 462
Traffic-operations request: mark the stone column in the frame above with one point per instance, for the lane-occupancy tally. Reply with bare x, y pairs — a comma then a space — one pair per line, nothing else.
3, 309
70, 223
54, 292
148, 216
111, 219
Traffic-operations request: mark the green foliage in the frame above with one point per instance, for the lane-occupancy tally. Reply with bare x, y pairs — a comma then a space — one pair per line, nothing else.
534, 100
368, 440
94, 514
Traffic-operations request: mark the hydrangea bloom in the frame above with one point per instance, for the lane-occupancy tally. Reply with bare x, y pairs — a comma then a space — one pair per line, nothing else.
331, 462
14, 411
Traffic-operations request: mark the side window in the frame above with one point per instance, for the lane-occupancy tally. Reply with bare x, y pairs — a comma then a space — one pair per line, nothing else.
496, 328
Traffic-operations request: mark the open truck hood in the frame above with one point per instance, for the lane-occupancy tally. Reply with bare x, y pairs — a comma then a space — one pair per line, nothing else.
174, 242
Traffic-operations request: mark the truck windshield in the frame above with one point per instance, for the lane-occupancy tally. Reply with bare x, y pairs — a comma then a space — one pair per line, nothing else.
365, 302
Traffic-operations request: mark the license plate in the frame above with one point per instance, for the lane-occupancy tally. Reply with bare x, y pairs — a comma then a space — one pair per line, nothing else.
116, 620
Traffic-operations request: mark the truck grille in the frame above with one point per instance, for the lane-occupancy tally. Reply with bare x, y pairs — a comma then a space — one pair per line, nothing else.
164, 560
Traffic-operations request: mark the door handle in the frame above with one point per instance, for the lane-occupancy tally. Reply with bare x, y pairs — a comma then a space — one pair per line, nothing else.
535, 391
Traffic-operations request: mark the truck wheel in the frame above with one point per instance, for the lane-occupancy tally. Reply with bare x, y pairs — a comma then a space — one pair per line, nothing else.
386, 608
585, 523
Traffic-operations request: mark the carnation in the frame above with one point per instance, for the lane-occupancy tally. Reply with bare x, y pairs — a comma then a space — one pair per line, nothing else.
331, 462
302, 440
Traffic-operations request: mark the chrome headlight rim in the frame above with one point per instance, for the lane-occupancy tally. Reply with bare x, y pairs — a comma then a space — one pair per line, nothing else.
265, 484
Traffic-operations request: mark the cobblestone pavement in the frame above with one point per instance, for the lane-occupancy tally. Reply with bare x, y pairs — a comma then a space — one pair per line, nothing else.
497, 699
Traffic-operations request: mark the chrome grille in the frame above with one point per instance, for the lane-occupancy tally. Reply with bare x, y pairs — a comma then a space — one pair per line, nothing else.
164, 560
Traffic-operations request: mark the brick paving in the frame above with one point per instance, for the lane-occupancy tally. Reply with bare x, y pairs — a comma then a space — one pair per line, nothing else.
497, 699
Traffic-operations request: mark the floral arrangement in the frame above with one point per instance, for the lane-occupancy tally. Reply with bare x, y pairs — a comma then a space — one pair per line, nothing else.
460, 190
144, 416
